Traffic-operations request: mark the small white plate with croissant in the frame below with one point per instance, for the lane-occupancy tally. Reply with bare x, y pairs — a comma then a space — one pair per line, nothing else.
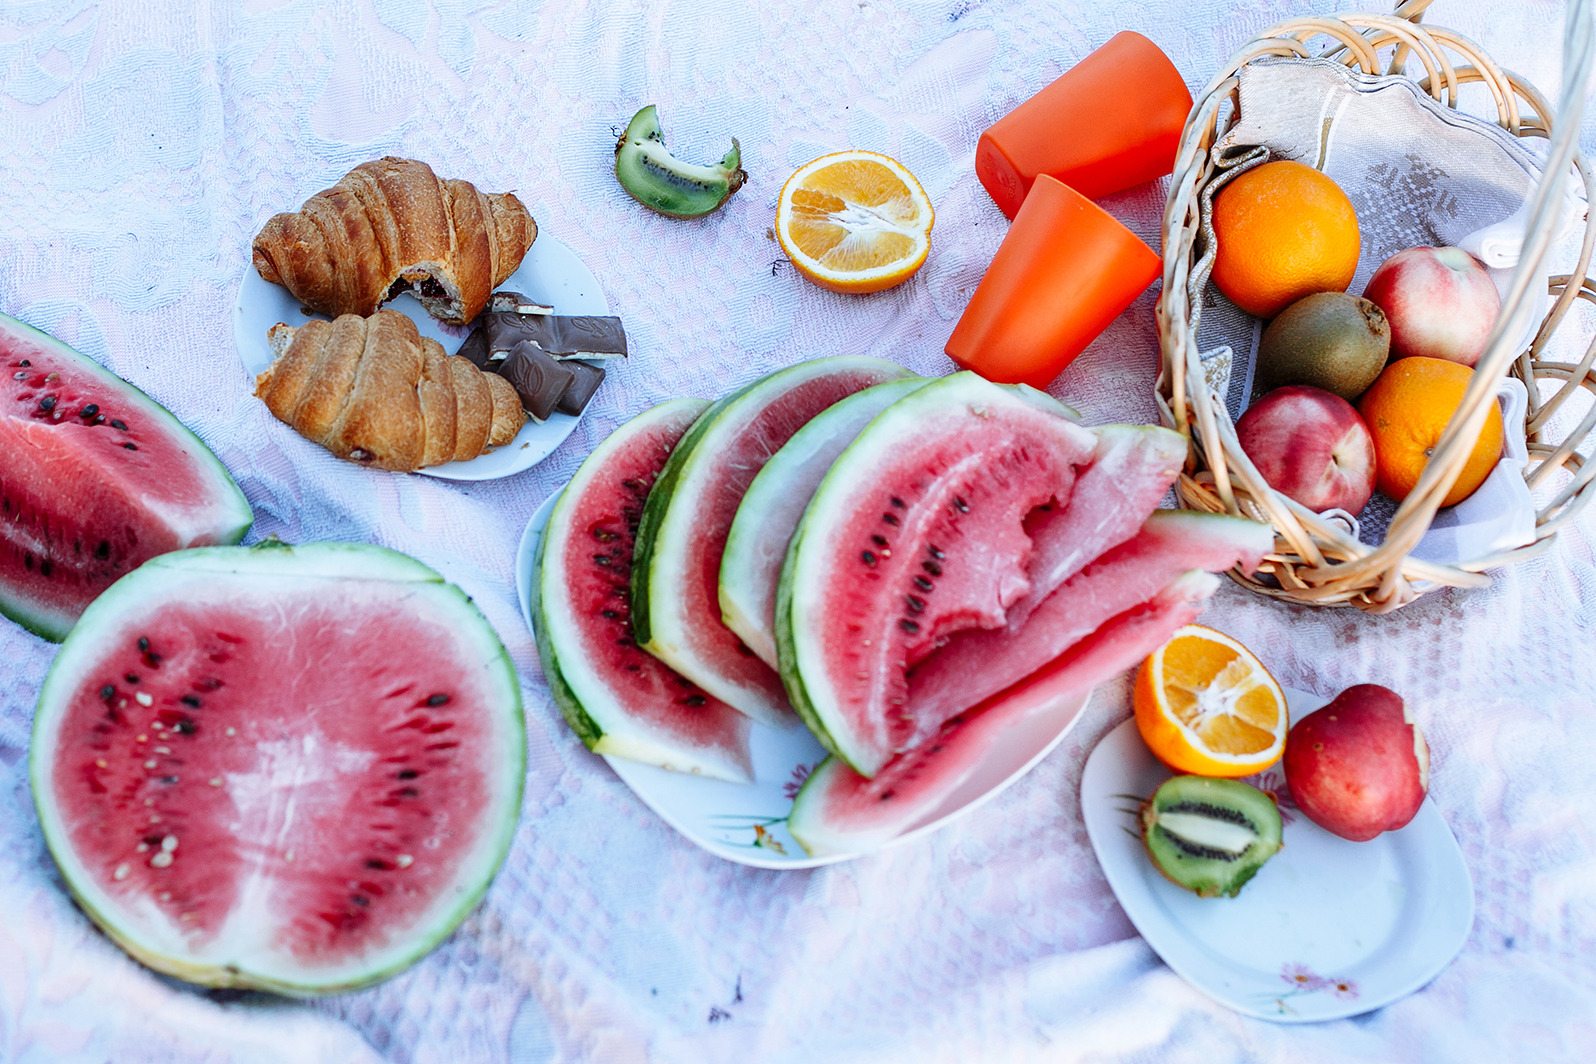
550, 274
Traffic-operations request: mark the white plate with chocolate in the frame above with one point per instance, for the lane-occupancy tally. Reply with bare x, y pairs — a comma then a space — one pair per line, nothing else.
550, 275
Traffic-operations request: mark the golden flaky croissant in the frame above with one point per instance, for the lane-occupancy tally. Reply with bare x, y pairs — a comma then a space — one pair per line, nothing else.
393, 225
375, 391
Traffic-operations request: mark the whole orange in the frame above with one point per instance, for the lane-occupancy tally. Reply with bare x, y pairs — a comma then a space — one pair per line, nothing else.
1407, 408
1284, 231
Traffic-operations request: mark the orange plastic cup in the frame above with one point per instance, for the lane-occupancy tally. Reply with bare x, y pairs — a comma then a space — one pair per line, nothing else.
1064, 271
1113, 120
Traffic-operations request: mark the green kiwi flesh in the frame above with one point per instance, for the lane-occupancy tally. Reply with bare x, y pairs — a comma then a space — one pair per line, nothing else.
1210, 836
658, 180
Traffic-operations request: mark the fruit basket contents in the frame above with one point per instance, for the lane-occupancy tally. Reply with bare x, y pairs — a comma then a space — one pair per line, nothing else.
654, 177
96, 479
1292, 216
375, 391
402, 229
854, 221
928, 565
285, 768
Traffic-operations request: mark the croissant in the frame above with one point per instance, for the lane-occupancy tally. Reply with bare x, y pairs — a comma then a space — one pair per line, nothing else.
373, 390
392, 225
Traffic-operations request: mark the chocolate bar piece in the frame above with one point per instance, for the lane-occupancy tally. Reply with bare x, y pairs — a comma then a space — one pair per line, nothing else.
576, 397
475, 347
559, 335
538, 379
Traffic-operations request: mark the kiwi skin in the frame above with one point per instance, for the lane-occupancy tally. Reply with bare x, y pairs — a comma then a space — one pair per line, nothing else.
1331, 340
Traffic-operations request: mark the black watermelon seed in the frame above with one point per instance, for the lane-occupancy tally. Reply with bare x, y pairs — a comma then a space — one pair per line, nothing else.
168, 779
24, 362
46, 567
880, 541
891, 519
933, 568
27, 560
376, 862
908, 625
869, 559
897, 502
916, 604
152, 659
89, 411
108, 692
963, 507
407, 774
886, 795
602, 559
935, 553
608, 615
118, 423
437, 700
922, 583
184, 727
190, 700
131, 446
103, 550
131, 678
695, 700
360, 900
47, 404
144, 642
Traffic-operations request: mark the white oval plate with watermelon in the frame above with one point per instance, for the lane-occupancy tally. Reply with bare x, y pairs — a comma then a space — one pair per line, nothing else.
1327, 928
747, 823
550, 274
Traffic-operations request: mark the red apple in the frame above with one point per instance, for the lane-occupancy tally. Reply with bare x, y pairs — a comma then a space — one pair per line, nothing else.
1311, 446
1360, 765
1440, 303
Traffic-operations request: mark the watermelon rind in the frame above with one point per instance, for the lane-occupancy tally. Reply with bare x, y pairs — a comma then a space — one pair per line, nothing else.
166, 576
789, 479
671, 524
576, 685
229, 520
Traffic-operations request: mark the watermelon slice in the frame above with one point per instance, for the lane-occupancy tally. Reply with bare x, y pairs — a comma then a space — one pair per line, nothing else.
917, 532
750, 567
840, 811
974, 665
619, 699
95, 478
286, 768
676, 580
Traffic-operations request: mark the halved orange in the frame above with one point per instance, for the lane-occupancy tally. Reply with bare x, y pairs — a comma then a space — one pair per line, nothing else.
854, 221
1206, 705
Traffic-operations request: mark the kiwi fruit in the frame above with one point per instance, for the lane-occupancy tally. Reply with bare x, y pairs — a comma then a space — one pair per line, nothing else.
658, 180
1210, 836
1331, 340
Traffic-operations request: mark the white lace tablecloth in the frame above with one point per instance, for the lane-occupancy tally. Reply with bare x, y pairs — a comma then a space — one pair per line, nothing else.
142, 144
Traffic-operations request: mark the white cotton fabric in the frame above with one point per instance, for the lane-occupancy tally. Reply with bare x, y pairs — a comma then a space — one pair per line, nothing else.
145, 144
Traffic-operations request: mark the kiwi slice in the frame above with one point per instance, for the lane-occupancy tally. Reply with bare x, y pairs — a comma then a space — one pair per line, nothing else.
658, 180
1210, 835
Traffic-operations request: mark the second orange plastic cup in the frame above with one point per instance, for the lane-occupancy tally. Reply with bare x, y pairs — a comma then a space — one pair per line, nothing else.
1064, 271
1113, 120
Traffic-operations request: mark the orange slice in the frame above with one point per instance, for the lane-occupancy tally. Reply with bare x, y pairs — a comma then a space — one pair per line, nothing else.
1205, 705
854, 221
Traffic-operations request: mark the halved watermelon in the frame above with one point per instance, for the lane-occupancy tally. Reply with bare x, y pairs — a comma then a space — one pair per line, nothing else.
618, 698
917, 532
95, 478
840, 811
676, 581
287, 768
974, 665
750, 566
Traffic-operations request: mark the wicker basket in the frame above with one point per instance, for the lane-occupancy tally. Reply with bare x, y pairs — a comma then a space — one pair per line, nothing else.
1317, 560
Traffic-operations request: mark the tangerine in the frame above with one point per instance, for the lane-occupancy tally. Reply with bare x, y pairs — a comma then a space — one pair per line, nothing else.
1407, 408
1284, 231
854, 221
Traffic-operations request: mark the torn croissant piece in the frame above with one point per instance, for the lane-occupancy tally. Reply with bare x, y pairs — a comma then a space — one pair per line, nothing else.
373, 390
392, 225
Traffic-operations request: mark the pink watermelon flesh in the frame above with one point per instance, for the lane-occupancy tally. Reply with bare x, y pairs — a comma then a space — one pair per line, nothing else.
840, 811
680, 622
619, 698
254, 770
95, 478
974, 665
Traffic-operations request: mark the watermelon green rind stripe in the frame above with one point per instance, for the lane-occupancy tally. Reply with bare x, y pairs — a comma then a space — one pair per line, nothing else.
344, 561
235, 515
659, 498
586, 728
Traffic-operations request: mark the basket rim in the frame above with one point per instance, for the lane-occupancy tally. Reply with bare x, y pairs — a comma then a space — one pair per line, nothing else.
1315, 560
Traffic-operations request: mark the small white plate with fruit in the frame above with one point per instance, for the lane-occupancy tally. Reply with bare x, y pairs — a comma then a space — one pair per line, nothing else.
1326, 928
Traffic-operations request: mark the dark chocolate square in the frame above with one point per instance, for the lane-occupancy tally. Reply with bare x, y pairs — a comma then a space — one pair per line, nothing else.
538, 379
